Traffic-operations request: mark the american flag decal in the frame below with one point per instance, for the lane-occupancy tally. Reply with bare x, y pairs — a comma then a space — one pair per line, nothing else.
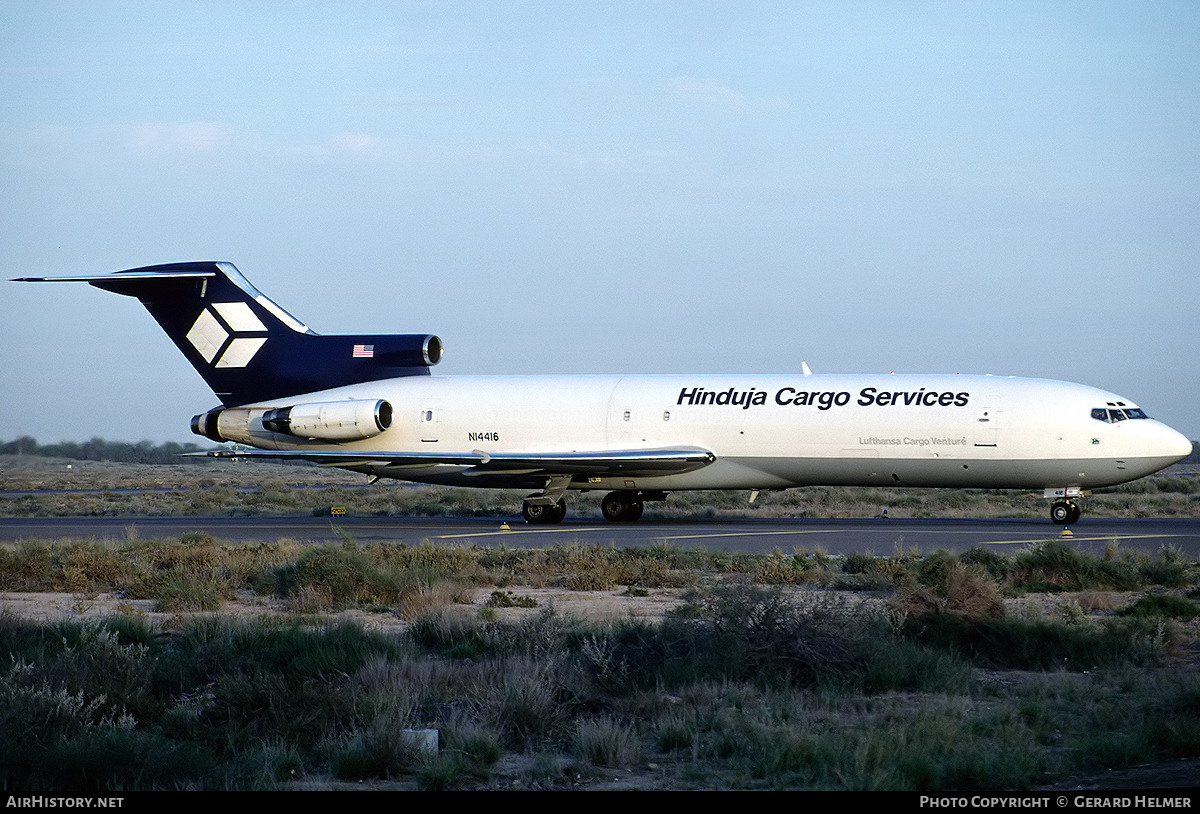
363, 352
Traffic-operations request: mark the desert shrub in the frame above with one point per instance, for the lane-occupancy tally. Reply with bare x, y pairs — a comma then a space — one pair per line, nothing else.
91, 567
604, 741
676, 731
857, 563
30, 567
1170, 569
444, 772
740, 629
933, 570
212, 647
507, 599
797, 569
996, 565
1163, 606
479, 746
71, 688
101, 759
584, 568
1039, 644
455, 635
440, 560
947, 586
78, 567
378, 752
468, 754
904, 666
344, 573
180, 592
527, 699
1055, 565
406, 580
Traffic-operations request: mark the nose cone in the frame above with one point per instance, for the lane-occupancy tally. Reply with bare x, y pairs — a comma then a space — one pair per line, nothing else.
1173, 444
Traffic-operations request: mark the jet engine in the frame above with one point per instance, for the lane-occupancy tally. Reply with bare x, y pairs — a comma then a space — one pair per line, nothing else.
332, 420
320, 421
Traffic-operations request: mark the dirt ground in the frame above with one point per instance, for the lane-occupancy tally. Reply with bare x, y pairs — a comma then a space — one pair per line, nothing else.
592, 605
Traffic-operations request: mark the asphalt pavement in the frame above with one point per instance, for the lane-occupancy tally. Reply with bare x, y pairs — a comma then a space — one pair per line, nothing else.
875, 536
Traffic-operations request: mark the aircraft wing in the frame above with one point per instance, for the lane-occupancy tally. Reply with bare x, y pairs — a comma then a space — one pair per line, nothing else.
631, 463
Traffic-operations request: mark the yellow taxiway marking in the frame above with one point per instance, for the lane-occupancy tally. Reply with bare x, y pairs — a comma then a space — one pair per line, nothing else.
1078, 538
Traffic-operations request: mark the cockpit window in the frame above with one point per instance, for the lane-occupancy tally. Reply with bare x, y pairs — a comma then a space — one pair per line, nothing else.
1112, 416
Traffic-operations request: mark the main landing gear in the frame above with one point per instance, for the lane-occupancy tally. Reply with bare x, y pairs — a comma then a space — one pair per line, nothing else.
624, 506
543, 514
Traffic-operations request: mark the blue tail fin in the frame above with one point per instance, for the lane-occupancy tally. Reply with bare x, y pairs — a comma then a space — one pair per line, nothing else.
249, 349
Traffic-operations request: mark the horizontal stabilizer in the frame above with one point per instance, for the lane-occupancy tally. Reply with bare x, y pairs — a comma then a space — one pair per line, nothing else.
116, 279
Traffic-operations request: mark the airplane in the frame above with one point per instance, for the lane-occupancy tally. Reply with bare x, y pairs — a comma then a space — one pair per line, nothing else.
370, 404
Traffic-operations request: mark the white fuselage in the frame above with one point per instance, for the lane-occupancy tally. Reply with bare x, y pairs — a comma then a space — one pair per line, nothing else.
766, 431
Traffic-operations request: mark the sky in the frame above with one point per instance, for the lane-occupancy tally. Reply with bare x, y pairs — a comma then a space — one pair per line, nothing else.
607, 187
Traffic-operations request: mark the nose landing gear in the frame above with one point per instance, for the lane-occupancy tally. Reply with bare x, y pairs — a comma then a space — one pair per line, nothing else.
1066, 507
1065, 512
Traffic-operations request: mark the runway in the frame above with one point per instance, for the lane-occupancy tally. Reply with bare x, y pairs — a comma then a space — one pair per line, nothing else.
877, 536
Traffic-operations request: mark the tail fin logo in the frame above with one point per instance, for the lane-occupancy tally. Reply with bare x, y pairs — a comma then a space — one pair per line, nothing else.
217, 334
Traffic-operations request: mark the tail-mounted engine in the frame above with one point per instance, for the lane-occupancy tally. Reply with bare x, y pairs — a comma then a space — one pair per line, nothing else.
322, 421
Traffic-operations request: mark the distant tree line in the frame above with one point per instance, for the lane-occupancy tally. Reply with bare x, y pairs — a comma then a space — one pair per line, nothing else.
97, 449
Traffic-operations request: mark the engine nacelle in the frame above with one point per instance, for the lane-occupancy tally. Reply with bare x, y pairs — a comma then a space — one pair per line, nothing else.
321, 421
331, 420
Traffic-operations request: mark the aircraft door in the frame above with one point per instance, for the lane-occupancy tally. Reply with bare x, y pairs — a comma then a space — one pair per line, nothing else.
621, 417
429, 423
986, 432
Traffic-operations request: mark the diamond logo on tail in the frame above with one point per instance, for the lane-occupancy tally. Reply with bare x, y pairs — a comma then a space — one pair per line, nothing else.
216, 334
